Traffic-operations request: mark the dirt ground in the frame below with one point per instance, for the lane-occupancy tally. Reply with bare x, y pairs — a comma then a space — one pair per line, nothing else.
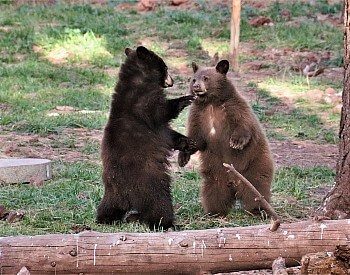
285, 153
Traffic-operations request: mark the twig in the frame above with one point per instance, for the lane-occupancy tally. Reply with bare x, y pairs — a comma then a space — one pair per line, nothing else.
276, 221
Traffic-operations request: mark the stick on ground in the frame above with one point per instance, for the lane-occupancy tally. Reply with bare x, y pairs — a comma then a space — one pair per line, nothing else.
276, 221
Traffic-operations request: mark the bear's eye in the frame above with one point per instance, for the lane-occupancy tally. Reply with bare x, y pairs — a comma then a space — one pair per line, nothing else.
205, 78
193, 80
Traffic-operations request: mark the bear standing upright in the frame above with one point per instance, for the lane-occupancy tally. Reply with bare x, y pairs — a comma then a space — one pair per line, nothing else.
226, 130
137, 141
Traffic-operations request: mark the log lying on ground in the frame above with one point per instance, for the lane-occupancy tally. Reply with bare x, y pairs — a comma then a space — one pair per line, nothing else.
187, 252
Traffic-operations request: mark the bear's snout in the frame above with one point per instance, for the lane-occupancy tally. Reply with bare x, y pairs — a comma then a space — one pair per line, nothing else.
169, 82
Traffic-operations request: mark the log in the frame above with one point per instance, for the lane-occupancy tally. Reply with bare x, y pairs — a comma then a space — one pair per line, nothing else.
185, 252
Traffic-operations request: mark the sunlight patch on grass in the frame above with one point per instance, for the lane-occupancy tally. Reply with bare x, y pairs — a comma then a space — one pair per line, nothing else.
292, 114
155, 46
176, 61
213, 46
284, 87
297, 89
77, 47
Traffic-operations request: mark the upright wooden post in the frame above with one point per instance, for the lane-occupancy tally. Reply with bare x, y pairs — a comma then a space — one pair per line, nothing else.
235, 27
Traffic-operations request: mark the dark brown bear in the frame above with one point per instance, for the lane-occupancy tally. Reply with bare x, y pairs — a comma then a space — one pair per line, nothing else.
137, 142
226, 130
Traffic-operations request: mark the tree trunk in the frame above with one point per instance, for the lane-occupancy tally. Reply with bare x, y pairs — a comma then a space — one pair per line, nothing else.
336, 205
323, 263
184, 252
235, 27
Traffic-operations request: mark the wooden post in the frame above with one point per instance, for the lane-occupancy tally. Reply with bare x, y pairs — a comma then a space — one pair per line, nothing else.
235, 27
184, 252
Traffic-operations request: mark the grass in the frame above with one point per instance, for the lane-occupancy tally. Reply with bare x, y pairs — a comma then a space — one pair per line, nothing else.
43, 48
298, 118
69, 55
72, 196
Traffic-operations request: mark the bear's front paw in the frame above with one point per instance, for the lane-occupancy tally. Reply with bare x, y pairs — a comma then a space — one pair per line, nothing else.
238, 143
188, 145
191, 146
185, 101
183, 158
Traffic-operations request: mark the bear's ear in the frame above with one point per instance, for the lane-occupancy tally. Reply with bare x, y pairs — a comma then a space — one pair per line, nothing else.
128, 51
142, 52
195, 67
222, 66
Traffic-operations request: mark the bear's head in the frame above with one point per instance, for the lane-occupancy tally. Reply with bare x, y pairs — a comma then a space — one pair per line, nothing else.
143, 66
208, 83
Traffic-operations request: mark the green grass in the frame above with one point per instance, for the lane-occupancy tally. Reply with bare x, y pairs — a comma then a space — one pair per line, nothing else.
302, 120
298, 191
72, 196
43, 49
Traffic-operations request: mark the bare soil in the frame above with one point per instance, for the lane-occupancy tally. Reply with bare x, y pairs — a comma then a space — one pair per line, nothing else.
285, 153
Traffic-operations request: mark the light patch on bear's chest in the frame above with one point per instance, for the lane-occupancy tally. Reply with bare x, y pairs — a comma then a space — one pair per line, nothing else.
215, 118
211, 121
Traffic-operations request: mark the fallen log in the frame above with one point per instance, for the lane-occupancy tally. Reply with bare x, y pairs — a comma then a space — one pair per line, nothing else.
186, 252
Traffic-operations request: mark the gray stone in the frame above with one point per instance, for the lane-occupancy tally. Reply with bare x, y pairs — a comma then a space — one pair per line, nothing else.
24, 170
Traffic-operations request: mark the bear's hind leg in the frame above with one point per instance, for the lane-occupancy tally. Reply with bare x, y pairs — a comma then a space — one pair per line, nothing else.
108, 212
161, 215
263, 185
217, 198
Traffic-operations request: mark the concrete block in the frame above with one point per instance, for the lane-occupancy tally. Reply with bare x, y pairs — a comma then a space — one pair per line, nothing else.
24, 170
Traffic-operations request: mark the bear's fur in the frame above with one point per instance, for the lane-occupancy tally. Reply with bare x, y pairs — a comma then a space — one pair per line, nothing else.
137, 141
226, 130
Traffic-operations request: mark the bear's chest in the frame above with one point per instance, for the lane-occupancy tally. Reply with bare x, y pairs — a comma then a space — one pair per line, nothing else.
214, 122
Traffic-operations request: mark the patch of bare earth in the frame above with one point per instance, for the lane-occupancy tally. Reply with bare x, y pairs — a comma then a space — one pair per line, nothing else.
290, 153
67, 146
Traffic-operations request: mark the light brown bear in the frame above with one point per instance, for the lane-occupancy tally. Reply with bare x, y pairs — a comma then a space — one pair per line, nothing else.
225, 129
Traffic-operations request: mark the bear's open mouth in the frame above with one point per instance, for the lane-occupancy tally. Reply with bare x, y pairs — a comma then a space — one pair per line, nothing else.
169, 82
200, 93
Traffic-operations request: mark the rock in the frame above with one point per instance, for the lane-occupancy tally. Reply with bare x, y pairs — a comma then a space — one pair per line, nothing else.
23, 271
15, 216
178, 2
146, 5
260, 21
24, 170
